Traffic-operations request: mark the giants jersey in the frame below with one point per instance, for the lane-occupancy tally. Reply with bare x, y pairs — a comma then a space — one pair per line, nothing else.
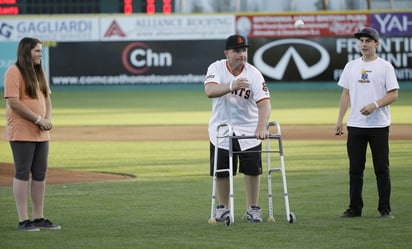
368, 82
238, 108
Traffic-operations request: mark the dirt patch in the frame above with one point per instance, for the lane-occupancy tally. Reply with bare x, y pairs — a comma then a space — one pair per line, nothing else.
183, 133
163, 133
61, 176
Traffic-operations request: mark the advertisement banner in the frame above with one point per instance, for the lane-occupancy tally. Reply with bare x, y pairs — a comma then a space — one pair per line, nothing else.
322, 59
154, 62
117, 27
146, 49
323, 25
316, 25
46, 28
392, 24
320, 50
166, 27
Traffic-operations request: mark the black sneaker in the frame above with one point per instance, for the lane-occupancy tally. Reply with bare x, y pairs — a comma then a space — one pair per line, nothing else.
349, 213
45, 224
387, 215
27, 226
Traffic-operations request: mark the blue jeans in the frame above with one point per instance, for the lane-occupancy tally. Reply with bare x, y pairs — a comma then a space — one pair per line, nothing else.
378, 140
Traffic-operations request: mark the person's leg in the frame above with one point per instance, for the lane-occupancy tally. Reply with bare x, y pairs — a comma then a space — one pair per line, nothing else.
356, 149
37, 196
222, 187
20, 192
38, 185
222, 182
379, 143
22, 157
252, 187
251, 167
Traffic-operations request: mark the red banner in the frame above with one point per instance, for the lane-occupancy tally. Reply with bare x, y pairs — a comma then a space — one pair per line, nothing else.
316, 25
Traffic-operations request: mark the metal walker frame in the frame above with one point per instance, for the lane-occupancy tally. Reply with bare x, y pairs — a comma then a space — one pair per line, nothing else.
229, 220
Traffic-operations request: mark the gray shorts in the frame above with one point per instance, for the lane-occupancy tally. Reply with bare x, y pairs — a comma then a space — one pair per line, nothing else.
30, 157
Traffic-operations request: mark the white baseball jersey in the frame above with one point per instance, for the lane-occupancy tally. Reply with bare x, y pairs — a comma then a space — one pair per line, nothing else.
238, 108
368, 82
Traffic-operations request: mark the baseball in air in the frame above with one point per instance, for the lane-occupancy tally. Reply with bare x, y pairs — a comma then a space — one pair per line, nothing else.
299, 24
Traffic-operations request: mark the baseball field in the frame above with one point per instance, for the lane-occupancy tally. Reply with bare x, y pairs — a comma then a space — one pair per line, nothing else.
129, 168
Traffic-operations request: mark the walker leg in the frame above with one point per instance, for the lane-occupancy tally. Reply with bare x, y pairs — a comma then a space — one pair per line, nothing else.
290, 216
229, 219
270, 197
212, 218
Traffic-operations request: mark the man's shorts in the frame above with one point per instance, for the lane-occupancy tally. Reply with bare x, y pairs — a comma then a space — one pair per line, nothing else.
249, 163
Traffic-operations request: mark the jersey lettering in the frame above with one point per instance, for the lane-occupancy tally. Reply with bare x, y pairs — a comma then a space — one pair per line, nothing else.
243, 92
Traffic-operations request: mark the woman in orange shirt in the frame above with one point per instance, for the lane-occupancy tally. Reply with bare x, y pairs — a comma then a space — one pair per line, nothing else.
28, 113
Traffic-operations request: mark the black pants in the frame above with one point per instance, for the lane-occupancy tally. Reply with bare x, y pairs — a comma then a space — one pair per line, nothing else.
378, 140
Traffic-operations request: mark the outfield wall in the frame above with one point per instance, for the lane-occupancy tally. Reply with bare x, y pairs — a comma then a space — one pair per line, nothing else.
171, 49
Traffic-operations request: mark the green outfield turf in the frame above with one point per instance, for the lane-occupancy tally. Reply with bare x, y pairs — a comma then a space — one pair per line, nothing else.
167, 205
191, 107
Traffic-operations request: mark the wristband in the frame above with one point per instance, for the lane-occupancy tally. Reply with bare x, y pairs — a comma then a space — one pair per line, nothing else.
376, 104
37, 120
230, 86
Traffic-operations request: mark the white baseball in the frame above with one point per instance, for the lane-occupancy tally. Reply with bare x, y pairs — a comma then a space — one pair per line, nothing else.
299, 24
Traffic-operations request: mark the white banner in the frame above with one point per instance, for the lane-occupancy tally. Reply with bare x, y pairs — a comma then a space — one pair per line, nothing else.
166, 27
49, 28
117, 27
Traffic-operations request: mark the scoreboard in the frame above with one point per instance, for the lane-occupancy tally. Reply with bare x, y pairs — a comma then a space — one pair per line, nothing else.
36, 7
9, 7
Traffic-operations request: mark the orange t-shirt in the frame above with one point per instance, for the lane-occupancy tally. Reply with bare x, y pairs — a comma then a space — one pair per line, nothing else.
18, 128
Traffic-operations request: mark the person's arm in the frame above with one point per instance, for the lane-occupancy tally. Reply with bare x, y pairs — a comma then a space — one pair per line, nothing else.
48, 108
388, 99
343, 107
264, 109
48, 125
213, 89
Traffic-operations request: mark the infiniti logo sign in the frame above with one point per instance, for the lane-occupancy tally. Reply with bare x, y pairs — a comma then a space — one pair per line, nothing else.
306, 71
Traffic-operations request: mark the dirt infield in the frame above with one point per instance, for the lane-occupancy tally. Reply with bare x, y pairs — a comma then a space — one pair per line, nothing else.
163, 133
182, 133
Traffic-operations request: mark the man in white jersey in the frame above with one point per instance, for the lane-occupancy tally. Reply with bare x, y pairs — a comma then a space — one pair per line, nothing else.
241, 98
369, 87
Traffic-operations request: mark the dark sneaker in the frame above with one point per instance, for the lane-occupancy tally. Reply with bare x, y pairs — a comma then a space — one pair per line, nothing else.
27, 226
387, 215
45, 224
254, 214
221, 213
349, 213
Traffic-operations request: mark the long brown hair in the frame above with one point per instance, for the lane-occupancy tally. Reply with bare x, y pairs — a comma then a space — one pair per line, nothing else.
33, 75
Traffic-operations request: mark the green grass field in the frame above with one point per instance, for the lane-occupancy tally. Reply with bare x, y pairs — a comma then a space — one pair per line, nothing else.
167, 205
